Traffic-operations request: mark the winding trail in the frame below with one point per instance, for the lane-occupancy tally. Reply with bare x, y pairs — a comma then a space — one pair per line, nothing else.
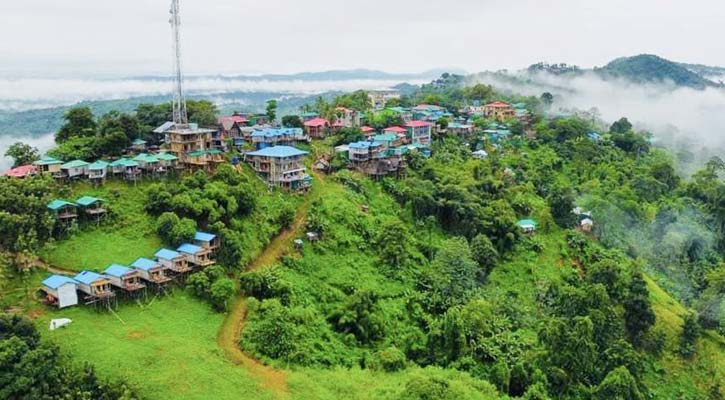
231, 330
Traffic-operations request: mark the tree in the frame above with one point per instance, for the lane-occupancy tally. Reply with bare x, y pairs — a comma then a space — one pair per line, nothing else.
547, 99
690, 333
393, 240
115, 121
621, 126
484, 253
456, 269
619, 384
22, 154
202, 112
199, 284
79, 122
638, 313
221, 292
561, 201
272, 110
360, 316
292, 121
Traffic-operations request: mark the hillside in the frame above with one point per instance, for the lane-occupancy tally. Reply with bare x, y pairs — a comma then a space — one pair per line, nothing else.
647, 68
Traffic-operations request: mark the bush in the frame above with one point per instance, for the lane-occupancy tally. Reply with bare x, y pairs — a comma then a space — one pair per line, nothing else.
390, 359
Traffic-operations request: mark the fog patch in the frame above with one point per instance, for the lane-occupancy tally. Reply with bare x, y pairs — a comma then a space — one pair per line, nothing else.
43, 143
35, 93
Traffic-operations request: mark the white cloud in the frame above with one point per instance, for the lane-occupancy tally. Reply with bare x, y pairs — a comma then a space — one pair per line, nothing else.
104, 37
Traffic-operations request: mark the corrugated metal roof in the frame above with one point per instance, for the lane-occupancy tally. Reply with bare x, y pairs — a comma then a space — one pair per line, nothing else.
87, 277
278, 152
124, 162
165, 127
144, 264
56, 281
47, 161
204, 237
117, 270
100, 164
75, 164
166, 157
86, 201
189, 248
57, 204
167, 254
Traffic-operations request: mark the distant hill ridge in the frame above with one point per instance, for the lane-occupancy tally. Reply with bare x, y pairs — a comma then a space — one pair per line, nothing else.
644, 68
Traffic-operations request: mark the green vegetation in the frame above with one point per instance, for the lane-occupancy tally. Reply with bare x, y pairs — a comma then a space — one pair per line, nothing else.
647, 68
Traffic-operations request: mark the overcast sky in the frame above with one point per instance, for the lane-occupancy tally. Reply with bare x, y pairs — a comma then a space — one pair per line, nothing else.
132, 37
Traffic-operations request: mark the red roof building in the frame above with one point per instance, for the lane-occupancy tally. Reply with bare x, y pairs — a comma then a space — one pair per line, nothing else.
21, 172
418, 124
316, 128
395, 129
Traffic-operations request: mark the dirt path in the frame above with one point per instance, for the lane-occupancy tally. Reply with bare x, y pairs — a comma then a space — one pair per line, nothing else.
52, 268
231, 329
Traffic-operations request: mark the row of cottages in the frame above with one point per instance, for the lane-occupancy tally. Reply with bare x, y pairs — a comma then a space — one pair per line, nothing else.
277, 136
281, 166
66, 211
62, 291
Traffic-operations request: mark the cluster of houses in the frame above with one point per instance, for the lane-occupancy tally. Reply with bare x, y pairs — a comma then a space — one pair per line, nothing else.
166, 266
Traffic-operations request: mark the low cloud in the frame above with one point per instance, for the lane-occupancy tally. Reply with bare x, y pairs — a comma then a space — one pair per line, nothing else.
34, 93
43, 143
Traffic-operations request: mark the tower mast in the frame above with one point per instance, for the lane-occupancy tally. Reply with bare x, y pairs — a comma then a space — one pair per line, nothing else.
179, 105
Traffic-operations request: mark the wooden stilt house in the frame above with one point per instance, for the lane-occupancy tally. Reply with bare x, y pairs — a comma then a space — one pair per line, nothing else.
97, 172
64, 211
61, 291
151, 271
127, 168
48, 165
196, 256
206, 240
149, 164
124, 278
94, 286
174, 261
73, 169
92, 207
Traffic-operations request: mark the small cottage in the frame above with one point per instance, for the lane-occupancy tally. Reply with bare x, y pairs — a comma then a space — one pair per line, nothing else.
167, 160
196, 255
94, 285
92, 206
128, 168
208, 241
151, 271
527, 225
48, 165
23, 171
138, 145
586, 225
64, 211
124, 278
147, 162
60, 291
97, 171
74, 169
173, 261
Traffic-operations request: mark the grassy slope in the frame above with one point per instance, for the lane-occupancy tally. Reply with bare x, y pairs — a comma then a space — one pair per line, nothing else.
167, 349
128, 235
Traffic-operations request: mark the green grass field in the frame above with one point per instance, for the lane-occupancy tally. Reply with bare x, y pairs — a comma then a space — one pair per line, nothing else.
128, 234
166, 349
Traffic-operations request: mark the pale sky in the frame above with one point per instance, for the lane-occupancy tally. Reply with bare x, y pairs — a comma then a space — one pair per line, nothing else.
88, 38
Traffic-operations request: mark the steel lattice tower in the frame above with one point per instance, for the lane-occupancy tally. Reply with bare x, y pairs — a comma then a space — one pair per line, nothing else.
179, 106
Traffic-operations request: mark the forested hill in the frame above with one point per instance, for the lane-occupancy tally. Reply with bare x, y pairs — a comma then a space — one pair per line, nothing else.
647, 68
643, 68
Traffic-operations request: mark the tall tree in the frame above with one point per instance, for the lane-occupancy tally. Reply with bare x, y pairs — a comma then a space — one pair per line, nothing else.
272, 110
638, 313
79, 122
22, 153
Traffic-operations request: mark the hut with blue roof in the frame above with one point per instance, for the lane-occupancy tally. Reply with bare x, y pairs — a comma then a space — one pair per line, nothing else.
196, 256
61, 291
151, 271
92, 206
124, 278
173, 261
527, 225
74, 169
95, 286
280, 166
208, 241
